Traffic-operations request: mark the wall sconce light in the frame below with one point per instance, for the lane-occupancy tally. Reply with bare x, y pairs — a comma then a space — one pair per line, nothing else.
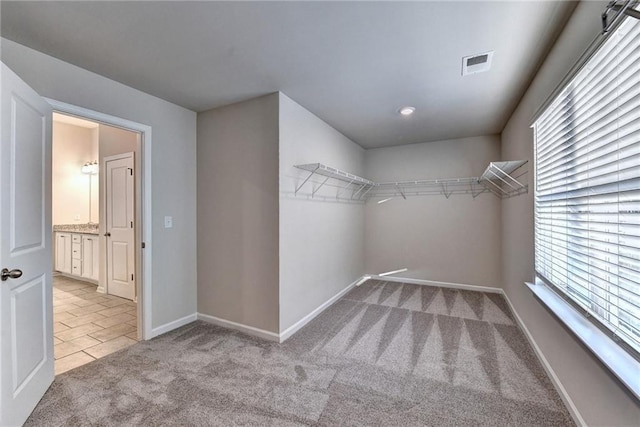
90, 168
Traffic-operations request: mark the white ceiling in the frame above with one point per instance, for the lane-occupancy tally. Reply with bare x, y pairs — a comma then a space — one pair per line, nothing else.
354, 64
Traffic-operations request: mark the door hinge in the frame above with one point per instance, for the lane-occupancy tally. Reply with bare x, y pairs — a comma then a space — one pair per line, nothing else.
130, 171
131, 224
132, 277
144, 245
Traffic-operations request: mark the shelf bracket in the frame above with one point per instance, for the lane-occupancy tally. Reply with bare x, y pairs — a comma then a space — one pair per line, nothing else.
305, 181
313, 193
343, 188
365, 193
473, 192
401, 192
444, 190
515, 181
359, 190
498, 193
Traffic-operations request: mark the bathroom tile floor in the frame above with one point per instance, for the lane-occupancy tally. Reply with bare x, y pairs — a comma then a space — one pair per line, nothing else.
88, 325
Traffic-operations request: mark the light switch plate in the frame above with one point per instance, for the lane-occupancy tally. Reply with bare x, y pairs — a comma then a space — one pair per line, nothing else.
168, 222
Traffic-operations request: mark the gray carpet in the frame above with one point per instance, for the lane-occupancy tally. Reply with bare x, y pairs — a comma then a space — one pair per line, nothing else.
386, 354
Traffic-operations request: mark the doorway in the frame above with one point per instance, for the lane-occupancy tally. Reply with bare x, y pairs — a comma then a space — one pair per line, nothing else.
97, 223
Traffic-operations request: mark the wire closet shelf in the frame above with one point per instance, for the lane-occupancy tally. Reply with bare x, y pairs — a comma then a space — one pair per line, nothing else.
501, 179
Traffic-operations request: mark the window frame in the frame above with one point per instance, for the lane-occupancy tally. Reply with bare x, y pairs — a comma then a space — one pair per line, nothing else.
620, 357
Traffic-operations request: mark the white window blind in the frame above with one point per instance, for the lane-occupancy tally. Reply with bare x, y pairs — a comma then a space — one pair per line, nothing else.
587, 187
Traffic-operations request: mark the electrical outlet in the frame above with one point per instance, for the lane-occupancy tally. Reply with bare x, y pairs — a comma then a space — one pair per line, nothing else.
168, 222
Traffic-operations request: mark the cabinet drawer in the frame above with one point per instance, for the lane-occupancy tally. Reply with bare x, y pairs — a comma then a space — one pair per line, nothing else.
76, 251
76, 238
76, 267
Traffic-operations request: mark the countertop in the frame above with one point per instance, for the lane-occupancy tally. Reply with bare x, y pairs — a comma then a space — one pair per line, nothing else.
77, 228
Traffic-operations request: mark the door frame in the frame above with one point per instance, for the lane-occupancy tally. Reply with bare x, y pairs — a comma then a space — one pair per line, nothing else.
143, 205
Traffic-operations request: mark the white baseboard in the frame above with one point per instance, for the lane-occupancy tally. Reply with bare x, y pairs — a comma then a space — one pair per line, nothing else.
249, 330
101, 289
573, 410
439, 284
163, 329
284, 335
71, 276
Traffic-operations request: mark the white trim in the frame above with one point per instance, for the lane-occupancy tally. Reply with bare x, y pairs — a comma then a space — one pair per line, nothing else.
619, 362
451, 285
284, 335
564, 395
389, 273
163, 329
144, 256
249, 330
80, 278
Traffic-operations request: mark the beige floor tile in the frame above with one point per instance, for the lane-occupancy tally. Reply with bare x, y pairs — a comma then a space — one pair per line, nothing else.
65, 307
69, 347
114, 302
82, 320
106, 322
59, 327
59, 317
78, 292
95, 297
62, 296
72, 361
59, 302
133, 335
80, 311
109, 347
69, 301
115, 310
74, 333
80, 302
112, 332
72, 286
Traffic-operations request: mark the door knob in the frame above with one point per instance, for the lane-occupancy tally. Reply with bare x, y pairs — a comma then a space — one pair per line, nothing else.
107, 234
13, 274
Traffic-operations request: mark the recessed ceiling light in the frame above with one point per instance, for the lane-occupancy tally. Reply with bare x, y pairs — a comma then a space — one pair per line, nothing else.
407, 111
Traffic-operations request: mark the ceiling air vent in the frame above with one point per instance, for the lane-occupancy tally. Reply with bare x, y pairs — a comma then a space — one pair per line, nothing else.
476, 63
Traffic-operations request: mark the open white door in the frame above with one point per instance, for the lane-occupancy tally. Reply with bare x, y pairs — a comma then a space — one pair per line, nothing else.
26, 319
119, 203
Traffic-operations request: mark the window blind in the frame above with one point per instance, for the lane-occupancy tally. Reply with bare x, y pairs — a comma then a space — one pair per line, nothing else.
587, 187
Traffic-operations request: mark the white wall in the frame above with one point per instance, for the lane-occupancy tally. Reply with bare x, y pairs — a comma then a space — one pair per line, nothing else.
73, 146
173, 188
238, 213
597, 396
451, 240
321, 242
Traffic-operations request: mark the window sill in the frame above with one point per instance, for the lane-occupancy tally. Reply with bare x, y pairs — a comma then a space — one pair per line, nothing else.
619, 362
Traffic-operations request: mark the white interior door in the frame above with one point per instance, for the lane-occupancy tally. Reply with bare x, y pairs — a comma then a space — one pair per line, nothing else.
26, 319
119, 191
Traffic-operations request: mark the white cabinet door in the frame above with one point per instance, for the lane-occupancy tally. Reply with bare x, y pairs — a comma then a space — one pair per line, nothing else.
90, 257
63, 252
